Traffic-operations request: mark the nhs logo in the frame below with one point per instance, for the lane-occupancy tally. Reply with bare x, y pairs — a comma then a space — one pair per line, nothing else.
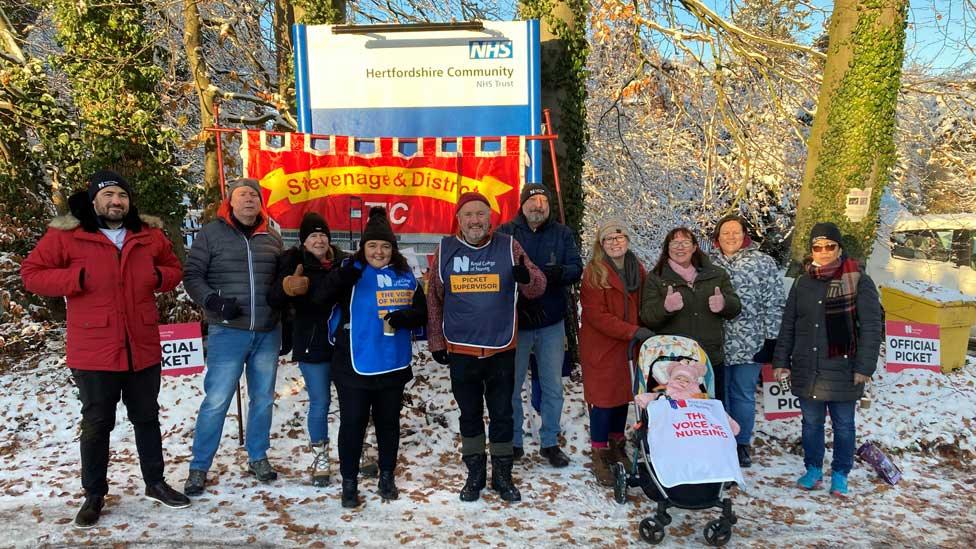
489, 49
462, 264
384, 281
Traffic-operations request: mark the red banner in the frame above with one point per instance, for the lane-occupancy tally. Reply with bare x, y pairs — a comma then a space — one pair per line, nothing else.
420, 191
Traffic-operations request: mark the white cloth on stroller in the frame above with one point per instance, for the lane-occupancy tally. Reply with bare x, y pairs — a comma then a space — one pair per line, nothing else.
690, 442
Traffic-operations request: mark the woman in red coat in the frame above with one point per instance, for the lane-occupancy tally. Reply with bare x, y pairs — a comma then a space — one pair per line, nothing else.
610, 297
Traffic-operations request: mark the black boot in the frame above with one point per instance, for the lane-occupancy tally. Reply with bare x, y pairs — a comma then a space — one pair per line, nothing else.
745, 460
350, 493
161, 492
501, 479
90, 510
477, 473
387, 486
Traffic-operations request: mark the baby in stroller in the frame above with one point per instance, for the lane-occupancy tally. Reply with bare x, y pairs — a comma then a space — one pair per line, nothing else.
681, 380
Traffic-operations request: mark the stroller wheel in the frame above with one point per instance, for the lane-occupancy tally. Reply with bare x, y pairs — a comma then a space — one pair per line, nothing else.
663, 518
718, 532
651, 531
619, 483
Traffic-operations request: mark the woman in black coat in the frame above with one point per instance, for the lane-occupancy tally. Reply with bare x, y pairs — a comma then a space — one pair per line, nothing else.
380, 302
828, 346
301, 271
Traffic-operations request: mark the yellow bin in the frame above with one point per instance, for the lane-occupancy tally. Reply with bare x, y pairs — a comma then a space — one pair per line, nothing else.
954, 316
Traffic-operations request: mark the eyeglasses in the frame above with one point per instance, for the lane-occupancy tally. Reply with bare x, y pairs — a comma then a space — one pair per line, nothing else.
681, 244
619, 239
825, 247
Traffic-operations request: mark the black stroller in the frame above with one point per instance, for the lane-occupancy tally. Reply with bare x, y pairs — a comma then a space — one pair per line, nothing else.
718, 532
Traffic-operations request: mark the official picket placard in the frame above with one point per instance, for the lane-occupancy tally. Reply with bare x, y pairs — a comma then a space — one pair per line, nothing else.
910, 345
777, 403
182, 349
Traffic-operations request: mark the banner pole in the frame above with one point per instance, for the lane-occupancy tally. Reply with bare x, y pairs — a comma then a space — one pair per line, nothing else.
555, 167
220, 152
240, 416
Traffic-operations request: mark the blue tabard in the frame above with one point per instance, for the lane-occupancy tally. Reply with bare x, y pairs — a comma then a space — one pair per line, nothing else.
479, 292
378, 292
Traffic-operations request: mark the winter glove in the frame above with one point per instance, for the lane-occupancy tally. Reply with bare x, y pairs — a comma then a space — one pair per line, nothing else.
716, 301
296, 284
440, 356
765, 355
531, 314
226, 308
399, 320
554, 275
641, 334
520, 272
673, 301
349, 273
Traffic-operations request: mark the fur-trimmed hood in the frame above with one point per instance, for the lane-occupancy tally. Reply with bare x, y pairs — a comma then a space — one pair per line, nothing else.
83, 215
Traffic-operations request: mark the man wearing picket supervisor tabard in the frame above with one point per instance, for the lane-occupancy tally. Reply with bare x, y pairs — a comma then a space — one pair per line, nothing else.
473, 286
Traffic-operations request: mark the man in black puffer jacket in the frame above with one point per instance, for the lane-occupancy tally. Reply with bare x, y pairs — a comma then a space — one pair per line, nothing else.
301, 275
229, 271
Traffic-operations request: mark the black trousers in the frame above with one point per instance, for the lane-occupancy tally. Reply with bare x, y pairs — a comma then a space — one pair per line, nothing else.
355, 407
480, 382
100, 393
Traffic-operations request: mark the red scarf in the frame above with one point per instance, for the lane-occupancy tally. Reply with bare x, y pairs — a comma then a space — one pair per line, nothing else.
840, 308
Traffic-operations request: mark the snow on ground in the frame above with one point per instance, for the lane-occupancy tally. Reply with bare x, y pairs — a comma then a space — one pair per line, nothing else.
934, 505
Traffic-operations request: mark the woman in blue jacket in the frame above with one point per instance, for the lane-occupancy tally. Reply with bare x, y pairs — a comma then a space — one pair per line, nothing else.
381, 302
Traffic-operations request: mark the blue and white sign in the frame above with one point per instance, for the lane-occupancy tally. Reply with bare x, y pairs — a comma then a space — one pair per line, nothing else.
443, 83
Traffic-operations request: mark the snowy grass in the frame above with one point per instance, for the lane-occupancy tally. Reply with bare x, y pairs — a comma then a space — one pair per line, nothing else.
40, 490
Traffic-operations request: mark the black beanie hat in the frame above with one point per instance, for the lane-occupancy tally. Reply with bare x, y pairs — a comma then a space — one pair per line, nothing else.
531, 190
313, 223
378, 227
825, 230
106, 178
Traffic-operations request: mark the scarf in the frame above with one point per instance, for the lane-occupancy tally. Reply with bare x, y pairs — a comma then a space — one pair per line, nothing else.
688, 274
840, 307
629, 276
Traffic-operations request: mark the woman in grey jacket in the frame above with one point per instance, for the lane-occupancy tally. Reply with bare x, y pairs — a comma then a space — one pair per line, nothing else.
750, 337
828, 345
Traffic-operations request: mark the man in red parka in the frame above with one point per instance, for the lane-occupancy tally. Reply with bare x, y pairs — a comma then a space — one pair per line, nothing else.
108, 262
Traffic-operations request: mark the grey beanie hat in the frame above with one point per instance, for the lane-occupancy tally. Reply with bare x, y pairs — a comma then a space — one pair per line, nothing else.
243, 182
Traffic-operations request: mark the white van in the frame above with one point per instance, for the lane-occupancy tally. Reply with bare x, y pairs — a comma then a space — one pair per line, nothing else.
939, 249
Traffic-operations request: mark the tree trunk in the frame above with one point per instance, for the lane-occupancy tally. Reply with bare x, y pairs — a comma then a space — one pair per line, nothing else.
193, 44
851, 148
563, 51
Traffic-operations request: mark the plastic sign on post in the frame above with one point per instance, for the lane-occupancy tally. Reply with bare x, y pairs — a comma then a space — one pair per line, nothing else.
182, 349
909, 345
778, 403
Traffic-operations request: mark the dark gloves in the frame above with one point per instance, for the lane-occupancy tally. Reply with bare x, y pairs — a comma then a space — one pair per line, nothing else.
765, 355
554, 275
520, 272
642, 333
399, 320
349, 273
224, 307
440, 356
531, 313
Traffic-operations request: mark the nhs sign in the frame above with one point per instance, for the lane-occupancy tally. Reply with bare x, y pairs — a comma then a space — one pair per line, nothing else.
489, 49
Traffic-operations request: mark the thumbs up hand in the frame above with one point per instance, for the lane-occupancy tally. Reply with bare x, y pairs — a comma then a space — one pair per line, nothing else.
520, 272
296, 284
673, 301
716, 301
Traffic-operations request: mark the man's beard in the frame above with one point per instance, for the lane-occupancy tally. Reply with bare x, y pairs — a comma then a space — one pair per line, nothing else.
535, 217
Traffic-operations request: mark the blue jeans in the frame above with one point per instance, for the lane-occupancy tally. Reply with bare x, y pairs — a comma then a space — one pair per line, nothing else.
842, 420
548, 345
231, 352
316, 376
741, 381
